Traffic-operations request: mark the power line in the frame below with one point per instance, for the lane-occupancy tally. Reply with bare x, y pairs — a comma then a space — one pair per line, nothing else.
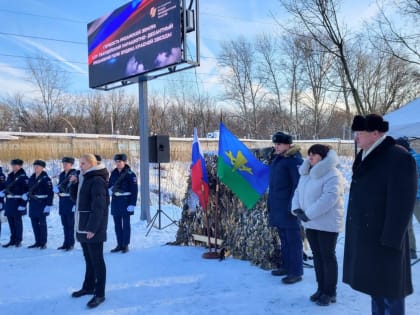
44, 38
41, 16
40, 58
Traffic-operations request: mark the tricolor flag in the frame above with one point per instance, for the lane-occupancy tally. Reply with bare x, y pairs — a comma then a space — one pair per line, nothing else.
199, 179
240, 170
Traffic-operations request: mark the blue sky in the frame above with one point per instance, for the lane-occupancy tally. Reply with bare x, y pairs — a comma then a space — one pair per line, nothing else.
35, 21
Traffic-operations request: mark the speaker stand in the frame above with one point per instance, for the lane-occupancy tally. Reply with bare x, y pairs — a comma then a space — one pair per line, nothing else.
159, 212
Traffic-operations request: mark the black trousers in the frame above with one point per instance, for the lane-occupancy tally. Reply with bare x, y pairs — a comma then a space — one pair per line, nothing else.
122, 229
67, 220
386, 306
39, 226
325, 262
95, 274
16, 228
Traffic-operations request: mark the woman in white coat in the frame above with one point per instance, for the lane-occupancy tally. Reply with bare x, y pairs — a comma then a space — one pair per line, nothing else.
318, 202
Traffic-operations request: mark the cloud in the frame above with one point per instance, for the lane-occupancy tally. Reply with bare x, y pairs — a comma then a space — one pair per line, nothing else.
14, 80
51, 53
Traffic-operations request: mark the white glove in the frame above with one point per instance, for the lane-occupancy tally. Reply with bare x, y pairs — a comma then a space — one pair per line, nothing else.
2, 194
47, 209
3, 218
55, 189
1, 205
130, 208
110, 191
73, 209
21, 208
25, 197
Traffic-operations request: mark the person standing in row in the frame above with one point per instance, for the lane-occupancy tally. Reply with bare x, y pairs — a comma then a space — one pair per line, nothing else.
66, 205
89, 190
40, 196
284, 177
15, 207
381, 201
123, 188
319, 203
2, 186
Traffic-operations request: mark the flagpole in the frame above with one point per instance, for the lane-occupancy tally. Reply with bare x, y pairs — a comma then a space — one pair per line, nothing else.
209, 254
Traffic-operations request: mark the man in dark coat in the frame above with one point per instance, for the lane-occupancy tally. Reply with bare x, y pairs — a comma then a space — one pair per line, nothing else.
381, 201
123, 188
90, 192
40, 196
284, 177
2, 186
66, 206
15, 206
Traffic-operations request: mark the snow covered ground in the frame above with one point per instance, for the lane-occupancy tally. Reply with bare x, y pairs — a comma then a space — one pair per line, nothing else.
155, 278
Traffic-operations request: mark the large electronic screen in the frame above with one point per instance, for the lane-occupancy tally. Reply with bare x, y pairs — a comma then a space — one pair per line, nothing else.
137, 38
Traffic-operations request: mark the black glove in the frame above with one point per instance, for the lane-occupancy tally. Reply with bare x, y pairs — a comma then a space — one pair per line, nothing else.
301, 215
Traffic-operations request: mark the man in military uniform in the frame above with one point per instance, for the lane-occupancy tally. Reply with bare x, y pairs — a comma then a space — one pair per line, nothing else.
123, 188
40, 196
15, 206
66, 204
2, 186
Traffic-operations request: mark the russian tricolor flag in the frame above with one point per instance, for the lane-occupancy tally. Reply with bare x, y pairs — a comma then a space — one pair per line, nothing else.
199, 179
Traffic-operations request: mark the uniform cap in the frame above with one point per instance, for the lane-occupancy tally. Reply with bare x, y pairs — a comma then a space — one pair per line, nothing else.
120, 157
16, 162
281, 137
67, 159
40, 163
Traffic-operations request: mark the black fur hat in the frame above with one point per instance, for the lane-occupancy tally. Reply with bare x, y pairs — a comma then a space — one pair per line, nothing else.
16, 162
67, 159
369, 122
120, 157
281, 137
40, 163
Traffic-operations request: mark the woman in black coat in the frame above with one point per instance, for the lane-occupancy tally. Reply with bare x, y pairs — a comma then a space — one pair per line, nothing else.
90, 192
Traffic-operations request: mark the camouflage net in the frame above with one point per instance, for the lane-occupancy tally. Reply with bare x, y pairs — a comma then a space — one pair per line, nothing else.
246, 233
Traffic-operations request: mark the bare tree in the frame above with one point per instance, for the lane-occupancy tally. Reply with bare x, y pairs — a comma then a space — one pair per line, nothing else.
318, 97
242, 85
50, 83
400, 40
319, 20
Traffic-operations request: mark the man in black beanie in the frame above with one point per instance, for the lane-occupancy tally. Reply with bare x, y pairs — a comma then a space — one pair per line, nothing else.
381, 201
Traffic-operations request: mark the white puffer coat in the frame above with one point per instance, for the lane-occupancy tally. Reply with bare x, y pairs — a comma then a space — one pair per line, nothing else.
320, 193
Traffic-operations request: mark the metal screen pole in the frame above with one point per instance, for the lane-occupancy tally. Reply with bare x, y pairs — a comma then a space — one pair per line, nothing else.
144, 151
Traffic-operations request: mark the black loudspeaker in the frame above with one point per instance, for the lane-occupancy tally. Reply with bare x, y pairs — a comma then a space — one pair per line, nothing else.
159, 149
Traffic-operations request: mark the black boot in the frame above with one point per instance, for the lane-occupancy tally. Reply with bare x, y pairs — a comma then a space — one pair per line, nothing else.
291, 279
8, 244
68, 248
325, 300
116, 249
124, 249
95, 301
34, 246
61, 247
315, 297
82, 292
279, 272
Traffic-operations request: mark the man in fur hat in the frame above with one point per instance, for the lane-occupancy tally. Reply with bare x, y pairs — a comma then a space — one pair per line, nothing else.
284, 177
381, 201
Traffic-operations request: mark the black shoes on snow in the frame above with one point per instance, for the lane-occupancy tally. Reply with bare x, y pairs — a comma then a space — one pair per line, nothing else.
82, 292
291, 279
95, 301
122, 249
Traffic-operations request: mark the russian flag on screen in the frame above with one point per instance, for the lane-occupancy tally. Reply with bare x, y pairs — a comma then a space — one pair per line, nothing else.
199, 179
